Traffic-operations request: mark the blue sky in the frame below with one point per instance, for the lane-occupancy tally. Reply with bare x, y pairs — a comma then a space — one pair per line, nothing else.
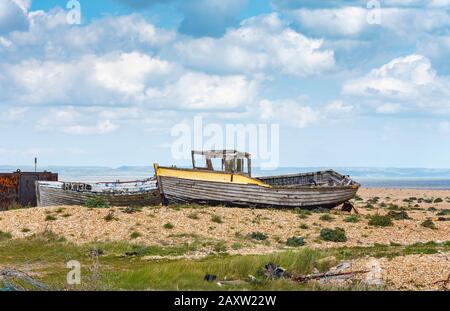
344, 91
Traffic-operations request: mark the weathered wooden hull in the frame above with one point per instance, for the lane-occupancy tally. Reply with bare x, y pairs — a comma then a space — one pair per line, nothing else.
51, 194
182, 190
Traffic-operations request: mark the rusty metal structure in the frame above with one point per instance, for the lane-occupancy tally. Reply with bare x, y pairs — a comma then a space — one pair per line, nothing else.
19, 187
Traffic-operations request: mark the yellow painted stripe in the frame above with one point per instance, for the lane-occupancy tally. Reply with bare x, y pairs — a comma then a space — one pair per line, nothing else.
207, 176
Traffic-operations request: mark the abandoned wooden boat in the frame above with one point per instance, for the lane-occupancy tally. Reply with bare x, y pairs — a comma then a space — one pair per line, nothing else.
234, 186
130, 193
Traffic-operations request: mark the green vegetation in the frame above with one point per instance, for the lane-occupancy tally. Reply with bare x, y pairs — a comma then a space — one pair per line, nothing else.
131, 209
236, 246
50, 218
326, 217
320, 210
334, 235
438, 200
373, 200
358, 198
216, 219
66, 215
422, 248
118, 269
110, 216
96, 202
302, 214
444, 212
193, 216
295, 241
5, 236
401, 215
410, 200
380, 221
168, 226
428, 224
395, 207
369, 206
304, 226
135, 235
259, 236
220, 247
352, 218
179, 207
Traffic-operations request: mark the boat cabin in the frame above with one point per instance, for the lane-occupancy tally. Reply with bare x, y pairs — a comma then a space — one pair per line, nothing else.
229, 161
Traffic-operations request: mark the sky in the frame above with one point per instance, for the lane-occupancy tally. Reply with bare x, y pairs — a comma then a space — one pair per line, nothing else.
349, 83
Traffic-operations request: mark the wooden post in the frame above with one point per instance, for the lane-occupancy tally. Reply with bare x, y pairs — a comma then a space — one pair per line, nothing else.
193, 158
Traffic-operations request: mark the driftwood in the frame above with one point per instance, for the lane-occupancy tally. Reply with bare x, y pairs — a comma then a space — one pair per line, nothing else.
318, 276
6, 275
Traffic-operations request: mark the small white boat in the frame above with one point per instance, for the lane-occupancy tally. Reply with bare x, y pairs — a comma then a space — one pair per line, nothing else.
129, 193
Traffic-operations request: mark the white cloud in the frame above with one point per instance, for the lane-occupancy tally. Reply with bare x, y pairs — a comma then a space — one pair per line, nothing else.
410, 22
288, 112
400, 78
439, 3
102, 127
90, 80
408, 81
76, 121
338, 106
129, 113
129, 73
14, 114
49, 36
127, 78
388, 108
13, 16
5, 42
29, 81
352, 21
23, 4
202, 91
347, 21
444, 127
260, 43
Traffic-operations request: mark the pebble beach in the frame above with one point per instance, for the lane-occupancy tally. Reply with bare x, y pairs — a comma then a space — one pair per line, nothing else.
232, 226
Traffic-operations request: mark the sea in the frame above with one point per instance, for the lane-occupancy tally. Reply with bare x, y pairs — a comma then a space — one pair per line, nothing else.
368, 177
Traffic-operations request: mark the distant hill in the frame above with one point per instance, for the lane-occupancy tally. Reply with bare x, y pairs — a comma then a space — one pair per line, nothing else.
145, 171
